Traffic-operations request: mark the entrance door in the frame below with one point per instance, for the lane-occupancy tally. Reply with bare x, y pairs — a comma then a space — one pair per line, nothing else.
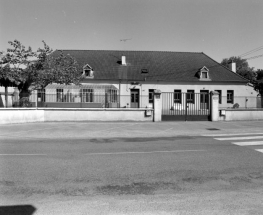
204, 99
135, 98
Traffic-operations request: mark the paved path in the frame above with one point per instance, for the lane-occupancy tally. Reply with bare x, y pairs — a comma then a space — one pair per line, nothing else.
126, 129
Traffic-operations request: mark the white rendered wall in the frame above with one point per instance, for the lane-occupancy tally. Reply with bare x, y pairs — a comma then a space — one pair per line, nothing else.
22, 115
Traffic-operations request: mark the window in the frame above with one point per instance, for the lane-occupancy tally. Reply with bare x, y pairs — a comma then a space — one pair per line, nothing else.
219, 96
190, 96
88, 95
59, 95
204, 75
151, 91
230, 96
112, 96
41, 95
177, 96
88, 71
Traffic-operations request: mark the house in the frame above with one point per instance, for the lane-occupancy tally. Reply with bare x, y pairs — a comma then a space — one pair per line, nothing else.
130, 77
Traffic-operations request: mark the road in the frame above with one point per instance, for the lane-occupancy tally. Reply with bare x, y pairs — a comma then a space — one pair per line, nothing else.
132, 168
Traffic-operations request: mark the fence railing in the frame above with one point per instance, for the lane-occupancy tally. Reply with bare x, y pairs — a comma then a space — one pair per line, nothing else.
82, 100
185, 103
108, 100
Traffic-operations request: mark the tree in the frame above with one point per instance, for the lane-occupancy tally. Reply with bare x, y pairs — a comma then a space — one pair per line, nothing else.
258, 84
259, 74
31, 70
242, 67
6, 77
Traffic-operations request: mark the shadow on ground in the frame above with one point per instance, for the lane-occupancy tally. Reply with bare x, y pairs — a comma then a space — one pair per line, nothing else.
136, 188
141, 139
17, 210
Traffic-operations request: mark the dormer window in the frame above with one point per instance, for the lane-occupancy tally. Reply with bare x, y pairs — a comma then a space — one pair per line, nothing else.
203, 74
88, 71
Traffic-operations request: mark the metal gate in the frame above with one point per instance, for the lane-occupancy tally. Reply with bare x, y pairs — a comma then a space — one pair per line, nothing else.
189, 106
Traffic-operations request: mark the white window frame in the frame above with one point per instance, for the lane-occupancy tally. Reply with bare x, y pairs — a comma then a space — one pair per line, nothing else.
88, 71
202, 71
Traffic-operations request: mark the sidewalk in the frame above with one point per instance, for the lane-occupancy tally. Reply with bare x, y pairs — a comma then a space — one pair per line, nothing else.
86, 130
196, 128
207, 127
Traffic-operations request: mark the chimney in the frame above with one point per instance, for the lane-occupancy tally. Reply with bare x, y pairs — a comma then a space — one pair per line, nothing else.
123, 60
232, 66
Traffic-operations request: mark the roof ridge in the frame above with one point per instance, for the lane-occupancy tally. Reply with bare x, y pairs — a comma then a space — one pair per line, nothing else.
128, 50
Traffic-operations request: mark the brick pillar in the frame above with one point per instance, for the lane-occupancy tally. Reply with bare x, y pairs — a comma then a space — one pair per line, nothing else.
214, 106
157, 105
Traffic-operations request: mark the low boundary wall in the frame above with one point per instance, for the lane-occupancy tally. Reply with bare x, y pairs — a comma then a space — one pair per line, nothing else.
240, 114
22, 115
15, 115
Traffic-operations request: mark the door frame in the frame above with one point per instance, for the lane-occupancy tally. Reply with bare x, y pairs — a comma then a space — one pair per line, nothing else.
204, 94
135, 92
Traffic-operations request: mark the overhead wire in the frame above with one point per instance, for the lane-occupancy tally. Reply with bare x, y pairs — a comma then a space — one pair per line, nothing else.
251, 51
254, 57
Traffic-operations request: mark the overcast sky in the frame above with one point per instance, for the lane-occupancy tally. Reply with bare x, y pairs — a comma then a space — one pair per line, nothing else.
219, 28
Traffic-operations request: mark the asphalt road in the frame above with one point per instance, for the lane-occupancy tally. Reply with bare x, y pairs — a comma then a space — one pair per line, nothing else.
131, 168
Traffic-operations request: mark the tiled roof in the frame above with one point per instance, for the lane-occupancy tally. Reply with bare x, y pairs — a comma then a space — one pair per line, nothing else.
161, 66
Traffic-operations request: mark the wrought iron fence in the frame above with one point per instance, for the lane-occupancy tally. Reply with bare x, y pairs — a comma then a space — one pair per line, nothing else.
82, 100
114, 100
185, 103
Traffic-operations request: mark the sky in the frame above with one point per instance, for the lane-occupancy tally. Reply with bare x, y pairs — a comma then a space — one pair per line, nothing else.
219, 28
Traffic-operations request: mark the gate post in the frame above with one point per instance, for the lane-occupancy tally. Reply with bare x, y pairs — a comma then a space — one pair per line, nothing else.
214, 106
157, 105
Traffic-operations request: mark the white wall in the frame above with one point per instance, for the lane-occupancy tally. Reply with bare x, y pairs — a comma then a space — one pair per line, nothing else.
10, 115
237, 115
17, 115
240, 90
97, 115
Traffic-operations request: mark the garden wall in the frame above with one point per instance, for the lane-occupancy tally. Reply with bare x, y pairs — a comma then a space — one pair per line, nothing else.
22, 115
240, 114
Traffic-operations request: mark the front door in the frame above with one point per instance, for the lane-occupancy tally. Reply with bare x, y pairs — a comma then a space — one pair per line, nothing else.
135, 98
204, 99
